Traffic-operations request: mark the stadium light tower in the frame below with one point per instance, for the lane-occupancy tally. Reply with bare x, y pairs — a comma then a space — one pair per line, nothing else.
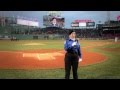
108, 17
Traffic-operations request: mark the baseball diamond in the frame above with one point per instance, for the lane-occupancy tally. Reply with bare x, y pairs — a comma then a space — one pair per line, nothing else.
46, 58
30, 50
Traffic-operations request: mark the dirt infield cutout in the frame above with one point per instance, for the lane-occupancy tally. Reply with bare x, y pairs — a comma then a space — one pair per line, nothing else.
43, 59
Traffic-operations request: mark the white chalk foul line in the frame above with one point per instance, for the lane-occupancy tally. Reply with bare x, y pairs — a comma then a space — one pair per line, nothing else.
47, 55
38, 56
23, 54
52, 57
44, 56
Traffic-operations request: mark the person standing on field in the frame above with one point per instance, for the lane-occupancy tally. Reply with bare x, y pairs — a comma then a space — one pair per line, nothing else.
73, 55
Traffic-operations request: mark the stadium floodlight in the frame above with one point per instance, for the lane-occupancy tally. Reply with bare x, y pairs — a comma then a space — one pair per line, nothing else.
108, 17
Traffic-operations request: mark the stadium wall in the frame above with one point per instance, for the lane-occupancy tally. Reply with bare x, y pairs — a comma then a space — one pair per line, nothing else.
36, 37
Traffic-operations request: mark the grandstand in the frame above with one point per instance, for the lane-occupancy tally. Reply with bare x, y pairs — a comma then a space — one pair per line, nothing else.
110, 29
10, 27
13, 26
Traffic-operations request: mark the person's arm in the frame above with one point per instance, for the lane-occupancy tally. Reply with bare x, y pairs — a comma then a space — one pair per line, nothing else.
67, 46
79, 53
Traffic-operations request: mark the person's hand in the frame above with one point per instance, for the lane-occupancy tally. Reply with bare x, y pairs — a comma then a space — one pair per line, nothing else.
74, 43
80, 59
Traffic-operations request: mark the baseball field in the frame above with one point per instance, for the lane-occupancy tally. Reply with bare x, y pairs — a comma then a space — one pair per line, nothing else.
44, 59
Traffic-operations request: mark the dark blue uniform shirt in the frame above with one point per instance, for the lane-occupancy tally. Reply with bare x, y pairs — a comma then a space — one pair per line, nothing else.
72, 49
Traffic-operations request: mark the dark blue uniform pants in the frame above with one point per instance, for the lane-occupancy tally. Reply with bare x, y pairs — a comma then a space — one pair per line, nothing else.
71, 60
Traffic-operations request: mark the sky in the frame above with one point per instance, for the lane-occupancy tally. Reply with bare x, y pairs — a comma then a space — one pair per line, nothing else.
69, 16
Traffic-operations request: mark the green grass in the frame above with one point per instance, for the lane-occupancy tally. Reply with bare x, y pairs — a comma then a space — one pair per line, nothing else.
109, 69
15, 46
32, 74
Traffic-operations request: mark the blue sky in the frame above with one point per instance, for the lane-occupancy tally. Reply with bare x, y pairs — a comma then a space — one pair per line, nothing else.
69, 16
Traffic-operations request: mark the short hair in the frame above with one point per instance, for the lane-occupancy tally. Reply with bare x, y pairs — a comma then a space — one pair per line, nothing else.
71, 31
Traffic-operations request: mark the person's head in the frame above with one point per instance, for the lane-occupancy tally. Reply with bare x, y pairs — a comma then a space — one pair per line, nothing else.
72, 34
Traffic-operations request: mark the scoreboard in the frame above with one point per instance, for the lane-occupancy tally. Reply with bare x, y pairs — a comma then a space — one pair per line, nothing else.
27, 22
83, 23
90, 24
53, 21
